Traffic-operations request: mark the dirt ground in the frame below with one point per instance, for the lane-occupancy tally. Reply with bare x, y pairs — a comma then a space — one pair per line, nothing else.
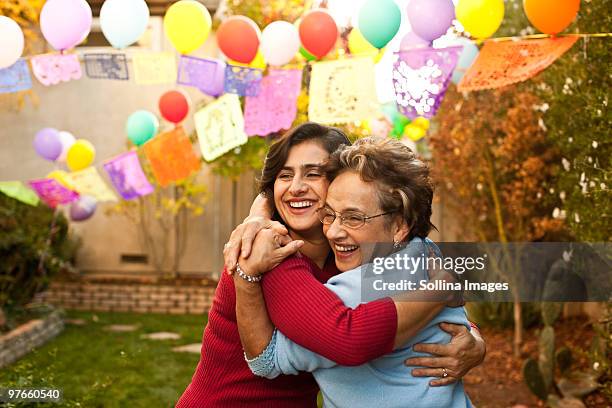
498, 382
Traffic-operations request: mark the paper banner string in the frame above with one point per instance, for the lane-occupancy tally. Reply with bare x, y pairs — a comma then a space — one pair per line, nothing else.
18, 191
275, 107
89, 182
106, 66
52, 192
420, 79
504, 63
243, 81
51, 69
220, 126
171, 156
15, 78
127, 176
154, 68
342, 91
208, 75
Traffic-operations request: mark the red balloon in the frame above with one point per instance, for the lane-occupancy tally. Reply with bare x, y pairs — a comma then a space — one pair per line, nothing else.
238, 39
174, 106
318, 32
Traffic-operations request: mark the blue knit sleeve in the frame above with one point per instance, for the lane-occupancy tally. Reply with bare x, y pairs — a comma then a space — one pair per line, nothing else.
264, 364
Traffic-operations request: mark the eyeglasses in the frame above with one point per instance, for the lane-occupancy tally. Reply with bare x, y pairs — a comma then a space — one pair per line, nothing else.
350, 219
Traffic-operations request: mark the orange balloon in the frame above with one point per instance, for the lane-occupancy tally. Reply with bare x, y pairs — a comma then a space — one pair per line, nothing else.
551, 16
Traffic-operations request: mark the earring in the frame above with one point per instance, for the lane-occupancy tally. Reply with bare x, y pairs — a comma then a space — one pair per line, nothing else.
396, 245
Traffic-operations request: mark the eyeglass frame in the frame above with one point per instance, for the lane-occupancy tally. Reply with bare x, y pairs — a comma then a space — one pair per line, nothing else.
342, 219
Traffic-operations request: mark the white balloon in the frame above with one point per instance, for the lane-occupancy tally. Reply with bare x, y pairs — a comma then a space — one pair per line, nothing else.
124, 21
11, 42
280, 41
67, 141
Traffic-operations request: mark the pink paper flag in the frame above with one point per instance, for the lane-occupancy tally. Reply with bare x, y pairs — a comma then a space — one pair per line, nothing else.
127, 176
52, 192
51, 69
275, 107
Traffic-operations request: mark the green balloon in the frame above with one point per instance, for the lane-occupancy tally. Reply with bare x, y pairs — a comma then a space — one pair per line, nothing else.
306, 54
141, 126
379, 21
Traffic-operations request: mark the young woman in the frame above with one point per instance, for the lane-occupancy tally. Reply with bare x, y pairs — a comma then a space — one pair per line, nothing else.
380, 193
345, 335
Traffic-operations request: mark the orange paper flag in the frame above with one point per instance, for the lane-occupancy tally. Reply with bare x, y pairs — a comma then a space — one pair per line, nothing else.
171, 156
508, 62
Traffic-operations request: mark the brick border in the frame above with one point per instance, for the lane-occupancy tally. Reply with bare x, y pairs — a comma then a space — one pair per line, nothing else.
129, 297
20, 341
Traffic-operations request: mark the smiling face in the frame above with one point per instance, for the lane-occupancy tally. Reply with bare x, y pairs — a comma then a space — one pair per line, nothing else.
347, 193
300, 188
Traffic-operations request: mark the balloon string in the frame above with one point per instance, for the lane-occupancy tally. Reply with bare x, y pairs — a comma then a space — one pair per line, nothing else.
540, 36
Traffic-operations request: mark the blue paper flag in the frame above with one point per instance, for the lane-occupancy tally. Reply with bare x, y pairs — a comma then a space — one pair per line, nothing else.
243, 81
15, 78
106, 66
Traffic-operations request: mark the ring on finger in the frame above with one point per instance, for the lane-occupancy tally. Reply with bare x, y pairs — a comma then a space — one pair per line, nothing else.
444, 373
228, 245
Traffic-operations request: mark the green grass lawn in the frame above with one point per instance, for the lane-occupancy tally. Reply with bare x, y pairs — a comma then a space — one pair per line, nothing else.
98, 368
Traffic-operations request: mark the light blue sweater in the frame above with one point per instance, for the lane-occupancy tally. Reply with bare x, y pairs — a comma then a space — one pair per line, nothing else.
383, 382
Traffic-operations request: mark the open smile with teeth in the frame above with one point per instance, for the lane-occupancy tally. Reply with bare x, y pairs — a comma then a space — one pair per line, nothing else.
345, 248
300, 204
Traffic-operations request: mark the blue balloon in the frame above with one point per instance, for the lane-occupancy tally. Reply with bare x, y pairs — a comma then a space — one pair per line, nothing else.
124, 21
466, 59
141, 126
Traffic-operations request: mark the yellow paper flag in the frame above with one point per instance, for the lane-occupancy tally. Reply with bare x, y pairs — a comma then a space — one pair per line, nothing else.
89, 182
154, 68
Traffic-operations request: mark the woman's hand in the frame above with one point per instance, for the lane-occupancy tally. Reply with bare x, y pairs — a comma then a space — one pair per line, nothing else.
465, 351
268, 250
241, 239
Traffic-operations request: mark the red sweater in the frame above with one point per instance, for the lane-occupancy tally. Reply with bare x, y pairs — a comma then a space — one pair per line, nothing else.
306, 312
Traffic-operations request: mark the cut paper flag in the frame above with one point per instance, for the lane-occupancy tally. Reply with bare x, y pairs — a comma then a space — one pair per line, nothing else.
207, 75
15, 78
51, 69
504, 63
18, 191
275, 107
89, 182
154, 68
52, 192
342, 91
127, 176
106, 66
171, 156
421, 77
220, 126
243, 81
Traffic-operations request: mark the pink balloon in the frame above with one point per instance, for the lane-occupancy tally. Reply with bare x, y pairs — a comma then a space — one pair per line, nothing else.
65, 23
411, 40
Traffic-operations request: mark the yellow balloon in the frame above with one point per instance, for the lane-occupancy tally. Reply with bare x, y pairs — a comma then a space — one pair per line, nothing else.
358, 45
414, 133
421, 122
60, 176
187, 24
258, 62
80, 155
481, 18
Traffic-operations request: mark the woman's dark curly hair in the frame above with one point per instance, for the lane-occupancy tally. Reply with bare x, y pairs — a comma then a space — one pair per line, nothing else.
404, 184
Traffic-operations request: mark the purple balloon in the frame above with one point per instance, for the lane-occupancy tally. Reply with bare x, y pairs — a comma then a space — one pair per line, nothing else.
48, 143
65, 23
430, 19
411, 41
83, 208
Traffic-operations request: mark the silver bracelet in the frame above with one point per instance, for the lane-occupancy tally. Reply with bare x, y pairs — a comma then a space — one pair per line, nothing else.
248, 278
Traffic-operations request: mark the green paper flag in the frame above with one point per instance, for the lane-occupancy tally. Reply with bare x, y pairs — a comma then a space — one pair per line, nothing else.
18, 191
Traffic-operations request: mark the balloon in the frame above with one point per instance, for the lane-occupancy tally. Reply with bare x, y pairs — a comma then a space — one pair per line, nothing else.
258, 62
421, 122
414, 133
47, 143
481, 18
357, 43
430, 19
123, 21
551, 16
80, 155
318, 32
238, 39
307, 55
466, 59
83, 208
60, 176
187, 25
11, 42
141, 126
379, 21
67, 141
174, 106
411, 40
280, 41
65, 23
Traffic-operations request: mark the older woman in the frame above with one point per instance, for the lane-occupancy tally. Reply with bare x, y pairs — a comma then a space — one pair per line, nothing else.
380, 193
